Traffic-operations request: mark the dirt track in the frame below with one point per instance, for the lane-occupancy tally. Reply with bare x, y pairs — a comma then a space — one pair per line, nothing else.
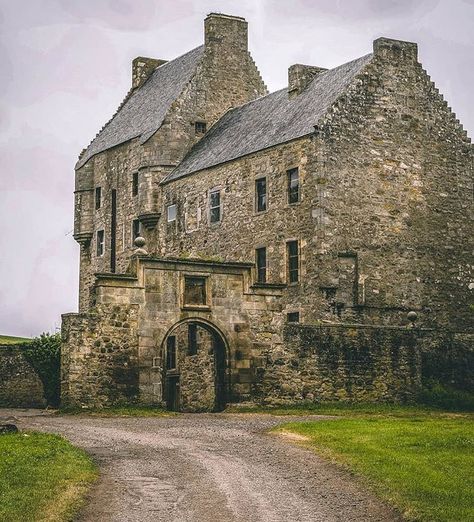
207, 468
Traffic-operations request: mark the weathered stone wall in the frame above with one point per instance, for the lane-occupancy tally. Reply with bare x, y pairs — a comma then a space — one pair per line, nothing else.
386, 212
362, 363
225, 77
20, 386
448, 358
99, 356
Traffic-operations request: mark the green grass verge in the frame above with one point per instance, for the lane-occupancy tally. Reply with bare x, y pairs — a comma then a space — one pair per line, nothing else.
9, 339
420, 464
42, 478
339, 409
119, 411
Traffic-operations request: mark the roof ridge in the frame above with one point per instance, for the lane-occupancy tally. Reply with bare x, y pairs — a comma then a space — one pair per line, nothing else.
142, 114
269, 120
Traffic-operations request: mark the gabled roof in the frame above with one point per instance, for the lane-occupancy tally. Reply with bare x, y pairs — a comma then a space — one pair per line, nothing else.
144, 109
270, 120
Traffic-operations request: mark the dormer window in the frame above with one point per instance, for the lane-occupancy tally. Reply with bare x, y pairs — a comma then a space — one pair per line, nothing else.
200, 127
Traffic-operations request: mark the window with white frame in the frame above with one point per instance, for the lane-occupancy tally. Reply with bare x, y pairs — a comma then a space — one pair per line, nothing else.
215, 210
171, 213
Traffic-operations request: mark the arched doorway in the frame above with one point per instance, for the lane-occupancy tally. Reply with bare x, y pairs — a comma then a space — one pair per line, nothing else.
195, 362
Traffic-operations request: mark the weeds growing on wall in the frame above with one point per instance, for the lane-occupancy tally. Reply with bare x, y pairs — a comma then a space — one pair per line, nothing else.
43, 353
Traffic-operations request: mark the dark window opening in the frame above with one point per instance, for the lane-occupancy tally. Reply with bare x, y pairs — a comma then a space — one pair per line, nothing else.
261, 260
195, 291
113, 231
100, 243
261, 194
98, 197
215, 206
135, 230
192, 339
200, 127
171, 352
293, 186
293, 317
293, 261
135, 184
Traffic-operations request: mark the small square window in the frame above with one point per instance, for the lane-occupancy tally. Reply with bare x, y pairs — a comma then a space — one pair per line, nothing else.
195, 291
171, 213
293, 317
293, 179
200, 127
98, 197
261, 194
135, 184
215, 206
100, 243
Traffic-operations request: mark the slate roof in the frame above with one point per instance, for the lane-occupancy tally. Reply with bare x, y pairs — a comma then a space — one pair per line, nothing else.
144, 109
268, 121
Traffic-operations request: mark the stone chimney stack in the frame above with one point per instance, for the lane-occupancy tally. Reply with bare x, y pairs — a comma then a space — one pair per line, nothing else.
395, 50
300, 76
226, 31
142, 67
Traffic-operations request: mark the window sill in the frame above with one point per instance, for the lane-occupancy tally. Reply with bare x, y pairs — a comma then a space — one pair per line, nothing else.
197, 308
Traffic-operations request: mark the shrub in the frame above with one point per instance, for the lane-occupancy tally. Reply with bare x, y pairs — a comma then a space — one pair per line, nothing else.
437, 395
44, 354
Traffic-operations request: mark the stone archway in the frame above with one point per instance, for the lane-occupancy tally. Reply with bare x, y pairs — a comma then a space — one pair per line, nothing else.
195, 367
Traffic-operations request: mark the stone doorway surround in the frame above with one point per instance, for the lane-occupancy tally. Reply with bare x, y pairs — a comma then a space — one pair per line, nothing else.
195, 361
136, 312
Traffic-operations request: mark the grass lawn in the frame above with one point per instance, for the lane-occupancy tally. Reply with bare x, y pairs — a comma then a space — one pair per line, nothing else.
421, 462
119, 411
8, 339
43, 478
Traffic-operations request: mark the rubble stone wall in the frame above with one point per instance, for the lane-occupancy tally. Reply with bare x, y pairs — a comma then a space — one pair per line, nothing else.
20, 386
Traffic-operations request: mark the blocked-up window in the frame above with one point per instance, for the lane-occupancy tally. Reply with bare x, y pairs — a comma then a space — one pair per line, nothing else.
261, 194
171, 352
98, 197
195, 291
261, 262
215, 206
293, 260
100, 242
293, 181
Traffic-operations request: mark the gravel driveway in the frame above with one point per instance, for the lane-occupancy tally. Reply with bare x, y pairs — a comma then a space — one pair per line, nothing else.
206, 468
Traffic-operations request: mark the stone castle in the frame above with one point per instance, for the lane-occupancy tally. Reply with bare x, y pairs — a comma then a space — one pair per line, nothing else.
242, 246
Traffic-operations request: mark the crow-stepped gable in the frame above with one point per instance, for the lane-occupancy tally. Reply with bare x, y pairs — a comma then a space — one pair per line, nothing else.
310, 244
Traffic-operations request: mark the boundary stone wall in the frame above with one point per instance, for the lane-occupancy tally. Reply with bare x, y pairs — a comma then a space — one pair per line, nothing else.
20, 386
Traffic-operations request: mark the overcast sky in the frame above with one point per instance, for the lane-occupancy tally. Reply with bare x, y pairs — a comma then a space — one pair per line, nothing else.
65, 67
